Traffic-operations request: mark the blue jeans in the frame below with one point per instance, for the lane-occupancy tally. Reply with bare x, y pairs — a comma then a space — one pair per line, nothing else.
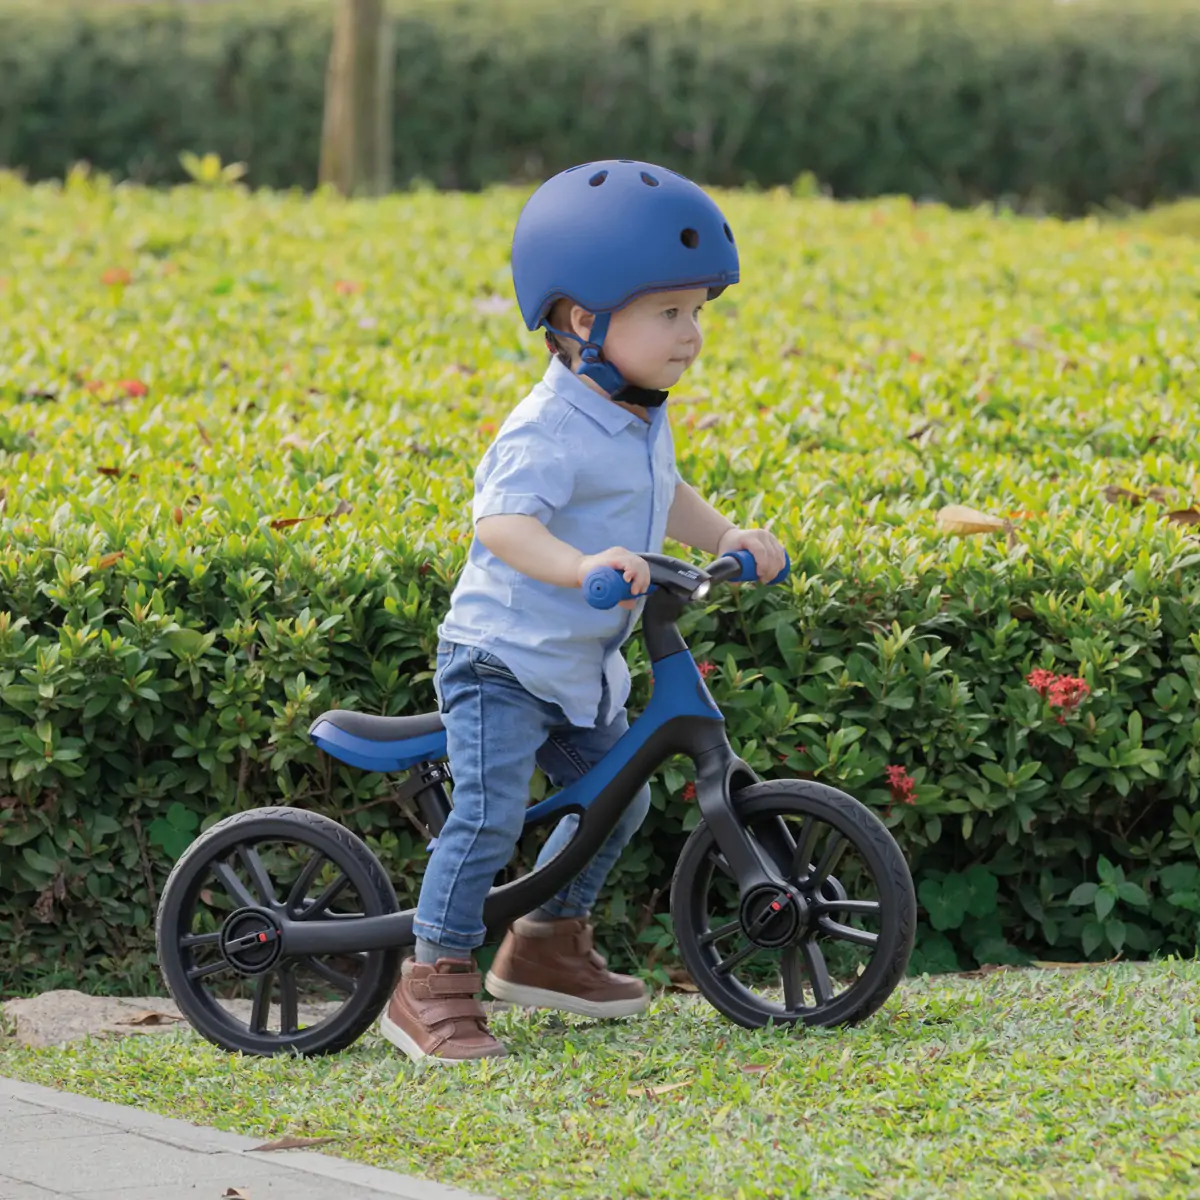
496, 732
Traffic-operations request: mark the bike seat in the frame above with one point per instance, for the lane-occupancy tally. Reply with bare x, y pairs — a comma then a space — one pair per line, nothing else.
379, 743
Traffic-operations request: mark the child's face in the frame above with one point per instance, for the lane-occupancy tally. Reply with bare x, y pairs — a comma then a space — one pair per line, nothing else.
653, 340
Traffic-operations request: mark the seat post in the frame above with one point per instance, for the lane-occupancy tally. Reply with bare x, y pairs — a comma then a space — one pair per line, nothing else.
424, 784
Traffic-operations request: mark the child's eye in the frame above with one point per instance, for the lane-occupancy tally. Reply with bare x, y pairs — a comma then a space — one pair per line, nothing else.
670, 312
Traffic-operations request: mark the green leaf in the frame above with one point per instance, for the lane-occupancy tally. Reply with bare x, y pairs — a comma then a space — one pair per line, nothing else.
1076, 778
1085, 893
1092, 936
39, 861
1132, 894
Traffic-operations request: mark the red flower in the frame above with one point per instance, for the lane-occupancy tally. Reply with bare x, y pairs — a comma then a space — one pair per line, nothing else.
1062, 691
115, 275
1041, 681
133, 387
903, 787
1068, 692
344, 287
706, 668
689, 791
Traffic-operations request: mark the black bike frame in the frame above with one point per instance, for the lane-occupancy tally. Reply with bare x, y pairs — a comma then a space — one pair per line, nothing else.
681, 718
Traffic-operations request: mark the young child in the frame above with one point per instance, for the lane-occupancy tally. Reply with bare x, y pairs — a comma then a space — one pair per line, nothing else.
619, 257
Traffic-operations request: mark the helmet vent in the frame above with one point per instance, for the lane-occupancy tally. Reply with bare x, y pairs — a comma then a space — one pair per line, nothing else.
597, 179
728, 233
690, 238
649, 180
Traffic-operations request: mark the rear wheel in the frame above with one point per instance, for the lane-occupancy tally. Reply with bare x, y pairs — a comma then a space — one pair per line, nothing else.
217, 939
836, 954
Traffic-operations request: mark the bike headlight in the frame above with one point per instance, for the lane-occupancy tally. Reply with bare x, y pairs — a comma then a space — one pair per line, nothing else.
702, 590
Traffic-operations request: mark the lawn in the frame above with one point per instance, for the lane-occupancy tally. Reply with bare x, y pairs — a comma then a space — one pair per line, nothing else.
1020, 1083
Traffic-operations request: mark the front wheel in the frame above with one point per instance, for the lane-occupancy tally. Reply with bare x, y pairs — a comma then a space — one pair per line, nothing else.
833, 958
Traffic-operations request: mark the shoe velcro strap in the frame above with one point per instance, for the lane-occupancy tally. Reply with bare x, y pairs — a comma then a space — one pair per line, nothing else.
455, 1008
457, 983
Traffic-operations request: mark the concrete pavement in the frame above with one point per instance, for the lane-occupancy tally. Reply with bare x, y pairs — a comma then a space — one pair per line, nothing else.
59, 1146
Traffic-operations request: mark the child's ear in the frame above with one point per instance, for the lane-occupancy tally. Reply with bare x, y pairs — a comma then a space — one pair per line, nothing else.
582, 321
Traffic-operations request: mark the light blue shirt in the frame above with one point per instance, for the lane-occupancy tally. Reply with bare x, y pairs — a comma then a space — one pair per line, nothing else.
596, 475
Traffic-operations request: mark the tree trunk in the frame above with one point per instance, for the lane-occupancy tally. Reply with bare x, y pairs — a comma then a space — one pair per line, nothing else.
356, 139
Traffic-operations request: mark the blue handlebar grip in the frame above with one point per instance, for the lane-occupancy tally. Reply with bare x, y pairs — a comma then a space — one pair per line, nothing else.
750, 570
605, 587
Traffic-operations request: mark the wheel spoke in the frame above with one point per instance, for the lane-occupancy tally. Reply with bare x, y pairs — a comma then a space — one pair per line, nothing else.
303, 882
289, 1002
802, 858
325, 898
208, 969
337, 978
850, 906
793, 980
818, 972
233, 885
834, 850
720, 862
723, 931
261, 1008
258, 874
191, 940
727, 964
847, 933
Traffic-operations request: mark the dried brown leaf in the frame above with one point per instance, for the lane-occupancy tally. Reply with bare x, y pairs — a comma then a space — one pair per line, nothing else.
680, 980
926, 427
658, 1089
291, 1142
759, 1068
958, 519
1184, 516
1114, 495
708, 420
147, 1016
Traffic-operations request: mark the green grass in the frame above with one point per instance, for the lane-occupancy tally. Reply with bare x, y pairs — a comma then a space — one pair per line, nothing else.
1018, 1084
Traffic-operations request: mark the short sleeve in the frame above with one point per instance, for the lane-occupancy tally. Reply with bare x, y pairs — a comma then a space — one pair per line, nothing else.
528, 471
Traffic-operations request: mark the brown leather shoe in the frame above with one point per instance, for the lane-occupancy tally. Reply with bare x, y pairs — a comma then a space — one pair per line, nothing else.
552, 964
433, 1014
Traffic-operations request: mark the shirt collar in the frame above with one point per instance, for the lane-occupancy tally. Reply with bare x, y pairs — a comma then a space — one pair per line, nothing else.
561, 380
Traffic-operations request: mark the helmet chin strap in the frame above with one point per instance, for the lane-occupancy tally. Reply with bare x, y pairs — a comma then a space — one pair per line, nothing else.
604, 373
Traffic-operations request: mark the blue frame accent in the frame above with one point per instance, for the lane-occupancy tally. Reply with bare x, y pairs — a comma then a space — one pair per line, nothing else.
679, 691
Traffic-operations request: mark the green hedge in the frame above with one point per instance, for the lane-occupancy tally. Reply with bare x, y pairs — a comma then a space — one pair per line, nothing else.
1057, 105
236, 452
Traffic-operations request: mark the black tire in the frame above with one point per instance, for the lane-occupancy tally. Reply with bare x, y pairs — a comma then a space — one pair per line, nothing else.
759, 806
178, 944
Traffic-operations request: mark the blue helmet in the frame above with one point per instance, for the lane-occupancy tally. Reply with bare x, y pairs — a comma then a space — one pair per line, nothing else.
604, 233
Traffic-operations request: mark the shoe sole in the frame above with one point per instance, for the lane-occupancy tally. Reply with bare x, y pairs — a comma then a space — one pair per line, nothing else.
532, 997
402, 1041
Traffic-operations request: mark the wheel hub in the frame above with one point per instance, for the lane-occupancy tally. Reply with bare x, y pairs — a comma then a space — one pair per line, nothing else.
772, 917
251, 940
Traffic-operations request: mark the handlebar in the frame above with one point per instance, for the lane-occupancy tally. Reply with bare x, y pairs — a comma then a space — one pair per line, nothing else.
605, 587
